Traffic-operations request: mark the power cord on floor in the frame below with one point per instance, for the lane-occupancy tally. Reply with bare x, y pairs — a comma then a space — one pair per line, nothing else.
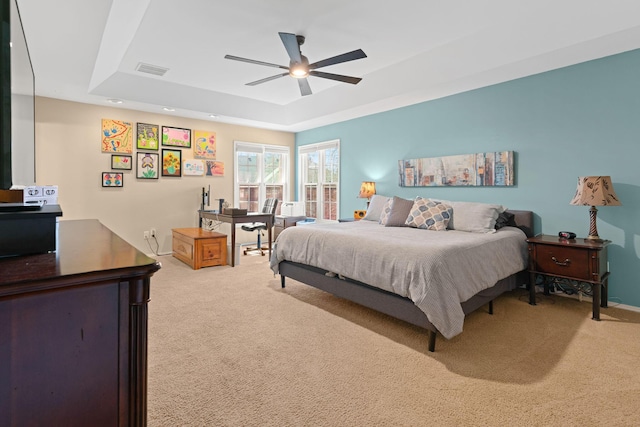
155, 252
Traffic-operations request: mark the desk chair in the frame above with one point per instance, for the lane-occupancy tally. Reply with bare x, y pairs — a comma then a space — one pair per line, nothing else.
269, 207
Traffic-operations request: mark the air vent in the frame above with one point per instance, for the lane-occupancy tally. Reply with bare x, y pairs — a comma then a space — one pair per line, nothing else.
151, 69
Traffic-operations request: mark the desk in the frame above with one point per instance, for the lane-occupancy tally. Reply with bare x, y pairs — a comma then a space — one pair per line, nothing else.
267, 218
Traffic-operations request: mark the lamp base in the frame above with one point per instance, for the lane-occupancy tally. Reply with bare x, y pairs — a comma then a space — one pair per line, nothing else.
593, 229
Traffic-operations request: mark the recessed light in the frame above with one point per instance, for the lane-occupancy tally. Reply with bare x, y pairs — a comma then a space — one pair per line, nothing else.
168, 109
213, 116
115, 101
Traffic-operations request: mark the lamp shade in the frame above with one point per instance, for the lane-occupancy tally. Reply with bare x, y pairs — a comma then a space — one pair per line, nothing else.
595, 191
367, 189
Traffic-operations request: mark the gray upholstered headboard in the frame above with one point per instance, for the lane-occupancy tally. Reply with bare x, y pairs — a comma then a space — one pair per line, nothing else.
524, 221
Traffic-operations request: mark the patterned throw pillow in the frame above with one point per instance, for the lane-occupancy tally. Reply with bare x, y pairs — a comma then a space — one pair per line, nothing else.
386, 212
429, 215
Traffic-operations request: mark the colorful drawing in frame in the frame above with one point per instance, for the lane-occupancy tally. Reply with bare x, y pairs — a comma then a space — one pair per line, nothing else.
147, 165
120, 161
204, 144
112, 179
176, 137
147, 136
214, 168
193, 167
117, 136
171, 162
479, 169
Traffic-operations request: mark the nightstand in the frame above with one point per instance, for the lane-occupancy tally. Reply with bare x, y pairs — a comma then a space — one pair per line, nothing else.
577, 261
346, 219
281, 222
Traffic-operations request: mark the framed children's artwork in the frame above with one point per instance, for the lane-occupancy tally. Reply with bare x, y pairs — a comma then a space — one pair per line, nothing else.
204, 144
176, 137
119, 161
193, 167
112, 179
147, 165
214, 168
147, 136
171, 162
117, 136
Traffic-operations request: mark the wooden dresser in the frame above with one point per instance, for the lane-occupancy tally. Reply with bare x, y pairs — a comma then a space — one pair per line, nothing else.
73, 331
199, 248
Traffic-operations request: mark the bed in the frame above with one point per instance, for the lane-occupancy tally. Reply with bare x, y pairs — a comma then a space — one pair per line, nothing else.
345, 259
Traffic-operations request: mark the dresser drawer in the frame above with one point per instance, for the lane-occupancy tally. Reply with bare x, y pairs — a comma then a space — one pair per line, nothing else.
563, 261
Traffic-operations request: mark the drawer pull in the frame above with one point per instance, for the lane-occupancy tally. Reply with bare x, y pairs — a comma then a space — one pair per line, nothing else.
564, 263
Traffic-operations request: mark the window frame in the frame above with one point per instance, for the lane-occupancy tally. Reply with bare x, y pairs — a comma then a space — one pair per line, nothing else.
320, 148
262, 149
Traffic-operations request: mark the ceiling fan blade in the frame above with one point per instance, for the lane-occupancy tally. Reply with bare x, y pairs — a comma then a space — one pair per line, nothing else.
345, 57
253, 61
268, 79
305, 89
338, 77
290, 42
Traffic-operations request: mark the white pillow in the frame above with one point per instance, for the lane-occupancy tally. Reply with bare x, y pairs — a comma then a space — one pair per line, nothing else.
474, 217
375, 208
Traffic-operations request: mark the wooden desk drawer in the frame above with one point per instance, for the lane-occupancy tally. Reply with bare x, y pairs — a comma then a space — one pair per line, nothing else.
563, 261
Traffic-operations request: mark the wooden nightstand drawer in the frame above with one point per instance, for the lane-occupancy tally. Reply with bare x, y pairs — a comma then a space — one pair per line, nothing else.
563, 261
282, 222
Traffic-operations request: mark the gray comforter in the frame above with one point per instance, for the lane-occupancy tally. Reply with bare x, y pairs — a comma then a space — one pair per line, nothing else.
437, 270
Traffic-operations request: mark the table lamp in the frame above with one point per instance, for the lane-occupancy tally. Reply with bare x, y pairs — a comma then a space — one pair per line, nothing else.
595, 191
367, 189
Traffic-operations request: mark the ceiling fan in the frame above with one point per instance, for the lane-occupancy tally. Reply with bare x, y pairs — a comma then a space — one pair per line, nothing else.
299, 67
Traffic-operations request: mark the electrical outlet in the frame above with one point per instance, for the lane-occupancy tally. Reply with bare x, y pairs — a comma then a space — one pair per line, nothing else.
153, 232
146, 234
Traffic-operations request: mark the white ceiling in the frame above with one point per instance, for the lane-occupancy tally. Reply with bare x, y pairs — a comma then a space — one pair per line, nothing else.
418, 50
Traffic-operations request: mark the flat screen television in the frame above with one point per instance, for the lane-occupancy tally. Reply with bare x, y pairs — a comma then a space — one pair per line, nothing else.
17, 109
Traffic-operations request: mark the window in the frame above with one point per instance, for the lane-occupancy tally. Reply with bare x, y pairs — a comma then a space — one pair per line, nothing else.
262, 172
319, 176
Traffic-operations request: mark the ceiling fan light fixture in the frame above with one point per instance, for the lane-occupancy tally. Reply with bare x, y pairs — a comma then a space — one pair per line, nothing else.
299, 70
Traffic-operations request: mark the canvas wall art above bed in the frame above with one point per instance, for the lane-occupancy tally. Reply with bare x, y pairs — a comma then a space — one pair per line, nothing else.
424, 261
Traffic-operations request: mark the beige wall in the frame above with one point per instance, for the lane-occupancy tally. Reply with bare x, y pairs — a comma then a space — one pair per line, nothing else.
68, 155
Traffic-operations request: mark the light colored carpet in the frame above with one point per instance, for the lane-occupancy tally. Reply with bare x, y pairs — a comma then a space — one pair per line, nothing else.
229, 347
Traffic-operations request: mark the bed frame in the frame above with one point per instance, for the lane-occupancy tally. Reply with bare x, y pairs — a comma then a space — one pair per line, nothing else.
394, 305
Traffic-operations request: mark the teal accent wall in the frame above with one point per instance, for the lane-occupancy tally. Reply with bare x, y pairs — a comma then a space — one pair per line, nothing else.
575, 121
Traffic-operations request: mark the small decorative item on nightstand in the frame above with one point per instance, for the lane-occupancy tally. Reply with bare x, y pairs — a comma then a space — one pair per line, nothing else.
595, 191
357, 215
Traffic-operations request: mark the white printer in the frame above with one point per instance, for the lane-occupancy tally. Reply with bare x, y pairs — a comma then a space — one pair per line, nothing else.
292, 209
